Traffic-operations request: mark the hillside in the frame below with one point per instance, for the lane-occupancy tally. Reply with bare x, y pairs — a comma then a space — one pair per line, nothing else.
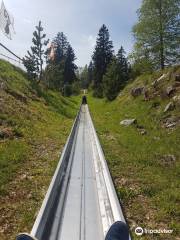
144, 156
34, 126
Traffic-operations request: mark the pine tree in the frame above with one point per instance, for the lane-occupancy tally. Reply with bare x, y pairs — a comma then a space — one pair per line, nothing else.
123, 68
112, 80
157, 32
30, 64
56, 65
70, 67
35, 59
61, 46
84, 77
102, 56
60, 71
38, 48
54, 75
90, 73
116, 76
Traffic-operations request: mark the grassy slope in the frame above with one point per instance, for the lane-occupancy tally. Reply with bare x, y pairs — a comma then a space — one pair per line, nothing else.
146, 185
37, 125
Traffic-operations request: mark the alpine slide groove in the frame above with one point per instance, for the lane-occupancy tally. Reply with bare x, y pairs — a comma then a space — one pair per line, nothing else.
81, 202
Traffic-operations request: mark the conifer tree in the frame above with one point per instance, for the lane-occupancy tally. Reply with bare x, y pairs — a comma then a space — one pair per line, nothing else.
84, 77
70, 67
116, 76
61, 46
60, 71
30, 64
112, 81
90, 73
123, 68
35, 59
56, 65
102, 56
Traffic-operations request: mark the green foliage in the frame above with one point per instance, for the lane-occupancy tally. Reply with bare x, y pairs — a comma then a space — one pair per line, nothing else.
54, 72
102, 56
111, 81
76, 88
60, 69
107, 75
157, 33
71, 89
61, 45
123, 66
85, 75
140, 64
35, 59
67, 90
70, 67
90, 73
54, 76
30, 65
98, 91
116, 76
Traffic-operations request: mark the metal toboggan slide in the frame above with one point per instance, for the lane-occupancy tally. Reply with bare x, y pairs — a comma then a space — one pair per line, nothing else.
81, 202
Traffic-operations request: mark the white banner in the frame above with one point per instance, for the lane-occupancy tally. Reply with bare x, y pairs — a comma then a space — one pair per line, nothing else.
6, 22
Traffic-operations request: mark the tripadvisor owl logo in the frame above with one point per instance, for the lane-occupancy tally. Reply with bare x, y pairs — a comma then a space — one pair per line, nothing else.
139, 231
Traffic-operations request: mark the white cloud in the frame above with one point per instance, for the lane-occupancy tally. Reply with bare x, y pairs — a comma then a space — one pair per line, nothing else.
91, 40
88, 41
26, 20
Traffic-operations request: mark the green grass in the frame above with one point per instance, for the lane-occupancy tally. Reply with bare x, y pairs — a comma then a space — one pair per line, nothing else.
40, 126
147, 187
12, 154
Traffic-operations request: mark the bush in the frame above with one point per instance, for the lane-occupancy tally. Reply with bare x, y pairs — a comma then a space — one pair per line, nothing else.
67, 90
112, 81
76, 88
98, 91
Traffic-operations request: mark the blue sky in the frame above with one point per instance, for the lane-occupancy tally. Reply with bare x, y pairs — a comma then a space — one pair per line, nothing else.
80, 20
